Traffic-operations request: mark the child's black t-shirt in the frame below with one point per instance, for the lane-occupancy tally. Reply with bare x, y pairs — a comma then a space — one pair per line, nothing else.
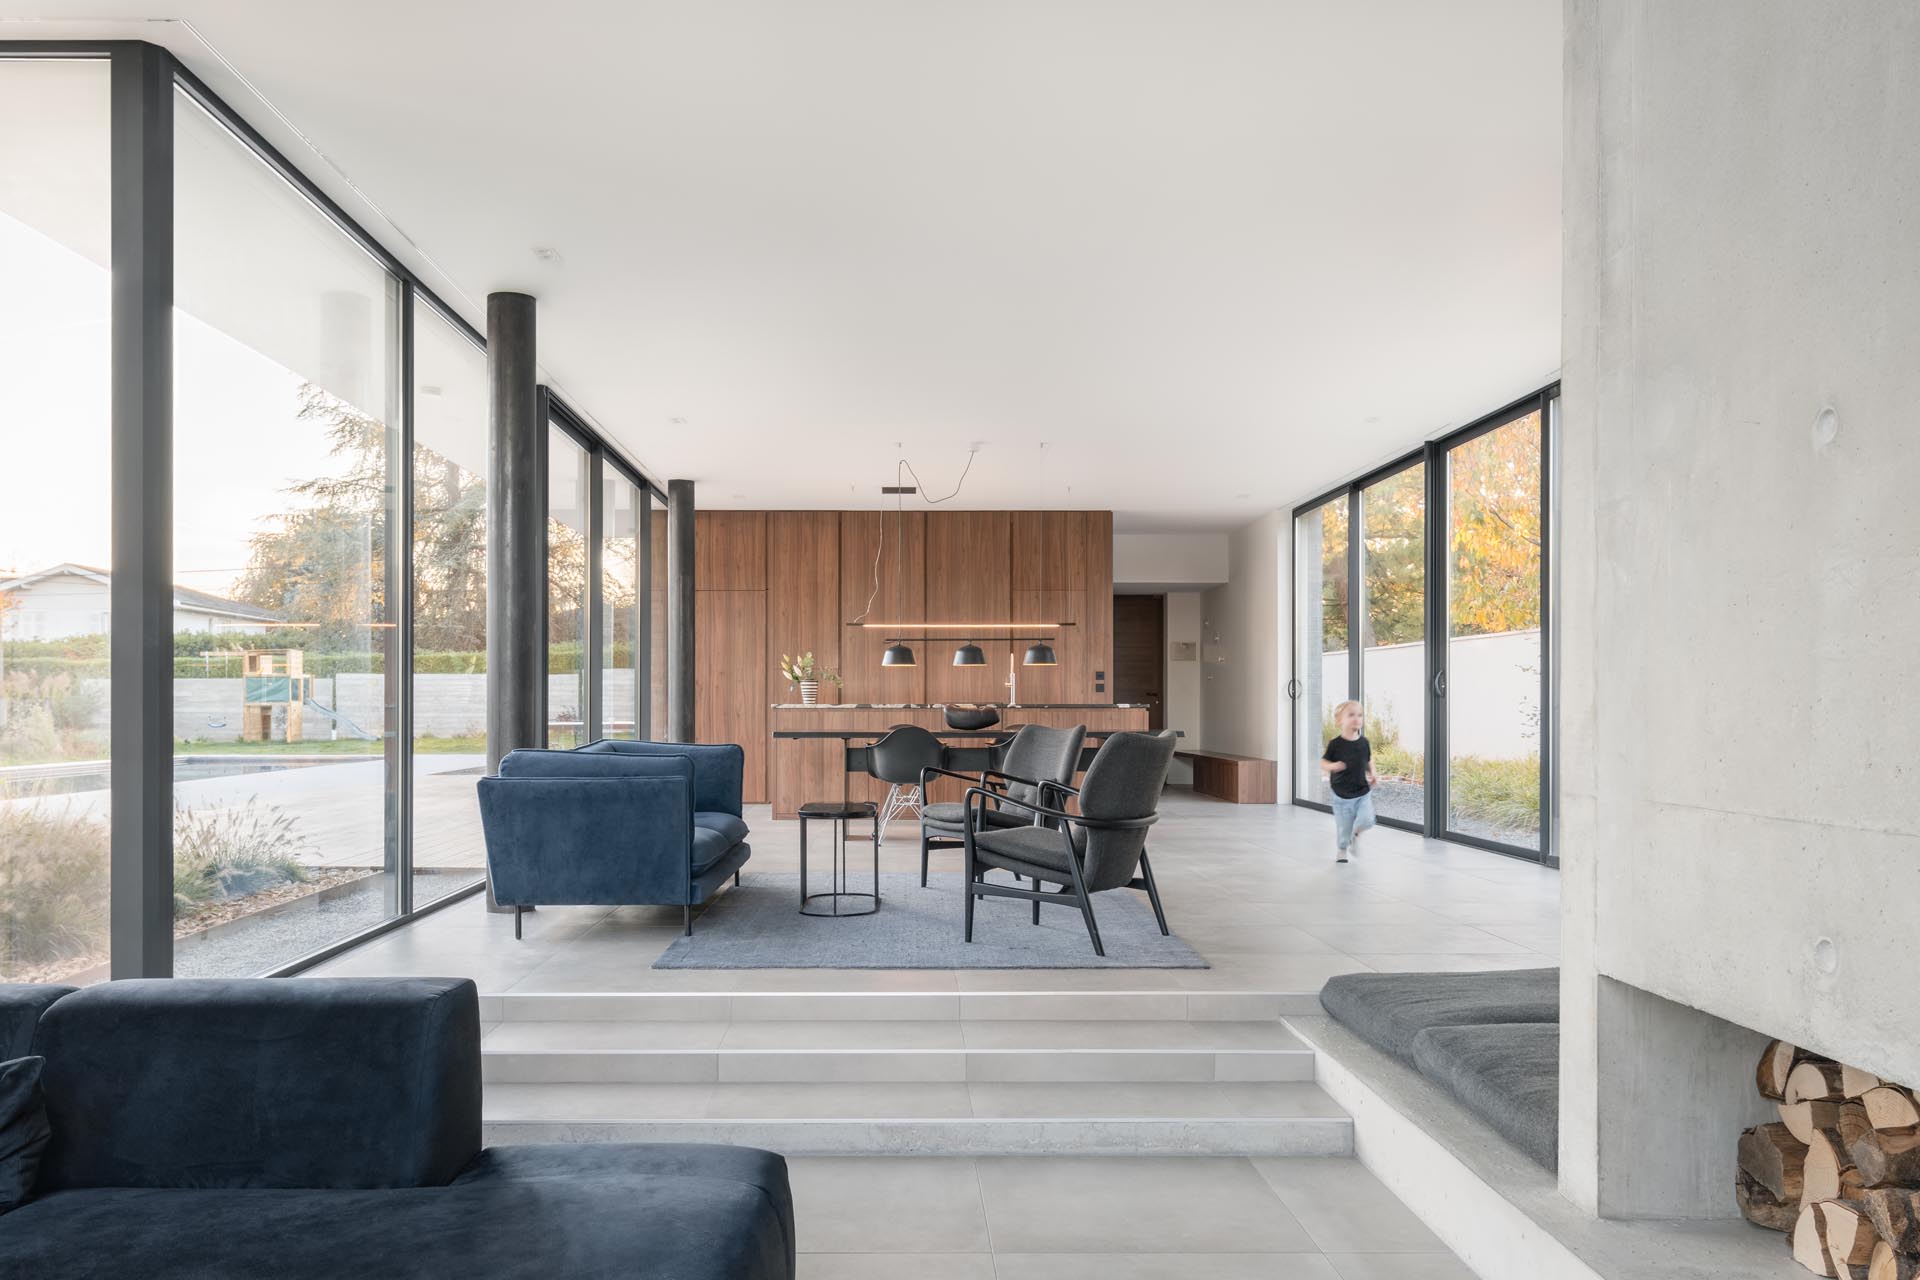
1356, 753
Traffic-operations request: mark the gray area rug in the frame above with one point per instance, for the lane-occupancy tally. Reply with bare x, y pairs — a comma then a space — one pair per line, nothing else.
759, 926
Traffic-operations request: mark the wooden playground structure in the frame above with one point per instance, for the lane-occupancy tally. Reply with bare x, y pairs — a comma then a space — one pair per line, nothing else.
274, 680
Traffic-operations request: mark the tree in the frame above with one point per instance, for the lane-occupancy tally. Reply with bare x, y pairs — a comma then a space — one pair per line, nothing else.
325, 563
1494, 542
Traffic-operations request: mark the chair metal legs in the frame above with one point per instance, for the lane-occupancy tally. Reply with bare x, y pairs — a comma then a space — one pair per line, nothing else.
686, 914
1036, 901
517, 913
899, 800
972, 874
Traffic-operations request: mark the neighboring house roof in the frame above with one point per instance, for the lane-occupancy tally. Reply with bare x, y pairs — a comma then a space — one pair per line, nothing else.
183, 597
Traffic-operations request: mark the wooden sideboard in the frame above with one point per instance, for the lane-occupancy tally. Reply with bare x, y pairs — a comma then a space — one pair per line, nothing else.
811, 769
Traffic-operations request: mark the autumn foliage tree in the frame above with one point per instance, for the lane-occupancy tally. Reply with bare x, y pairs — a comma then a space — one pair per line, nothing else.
1493, 546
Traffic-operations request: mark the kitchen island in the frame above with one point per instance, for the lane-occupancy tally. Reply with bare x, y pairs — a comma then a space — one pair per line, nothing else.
805, 769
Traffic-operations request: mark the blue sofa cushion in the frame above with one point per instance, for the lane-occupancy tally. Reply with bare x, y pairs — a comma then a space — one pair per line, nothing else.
1388, 1010
21, 1005
708, 848
729, 825
521, 1213
263, 1082
1507, 1073
718, 770
577, 841
23, 1130
532, 762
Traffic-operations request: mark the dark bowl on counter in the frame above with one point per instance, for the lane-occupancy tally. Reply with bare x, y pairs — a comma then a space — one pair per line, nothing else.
968, 719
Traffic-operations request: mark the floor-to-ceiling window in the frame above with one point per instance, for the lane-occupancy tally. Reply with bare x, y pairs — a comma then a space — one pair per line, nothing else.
1391, 613
449, 604
320, 711
1320, 647
623, 521
286, 476
1440, 634
56, 519
568, 487
1493, 691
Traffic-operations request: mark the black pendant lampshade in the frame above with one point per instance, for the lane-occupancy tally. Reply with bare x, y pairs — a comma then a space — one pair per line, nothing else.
969, 655
897, 655
1040, 654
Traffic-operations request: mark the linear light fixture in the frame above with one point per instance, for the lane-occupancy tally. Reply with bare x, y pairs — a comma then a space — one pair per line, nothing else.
962, 626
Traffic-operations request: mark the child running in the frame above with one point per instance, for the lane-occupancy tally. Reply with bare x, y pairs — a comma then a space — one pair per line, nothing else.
1348, 764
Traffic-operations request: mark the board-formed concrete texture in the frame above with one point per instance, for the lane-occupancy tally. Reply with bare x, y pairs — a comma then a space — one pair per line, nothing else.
1740, 549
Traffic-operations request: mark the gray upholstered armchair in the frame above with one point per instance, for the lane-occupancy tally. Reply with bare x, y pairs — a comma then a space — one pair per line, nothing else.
1036, 769
1101, 847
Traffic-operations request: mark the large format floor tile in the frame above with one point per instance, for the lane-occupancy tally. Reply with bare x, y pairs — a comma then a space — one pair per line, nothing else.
1252, 887
888, 1205
1135, 1206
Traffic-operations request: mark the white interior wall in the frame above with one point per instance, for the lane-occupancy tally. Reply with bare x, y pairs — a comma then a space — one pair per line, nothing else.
1143, 561
1246, 646
1183, 675
1740, 829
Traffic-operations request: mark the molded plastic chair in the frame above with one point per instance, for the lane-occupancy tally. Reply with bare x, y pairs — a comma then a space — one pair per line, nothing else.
897, 760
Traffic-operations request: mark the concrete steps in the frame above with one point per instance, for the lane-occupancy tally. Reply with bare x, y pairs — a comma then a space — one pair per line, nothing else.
999, 1073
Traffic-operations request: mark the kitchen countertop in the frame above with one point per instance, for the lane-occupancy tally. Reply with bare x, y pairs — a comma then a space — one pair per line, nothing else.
942, 706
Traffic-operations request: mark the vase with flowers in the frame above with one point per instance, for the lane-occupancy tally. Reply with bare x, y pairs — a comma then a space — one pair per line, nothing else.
807, 673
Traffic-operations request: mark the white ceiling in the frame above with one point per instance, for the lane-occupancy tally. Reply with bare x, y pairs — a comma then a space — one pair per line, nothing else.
1216, 255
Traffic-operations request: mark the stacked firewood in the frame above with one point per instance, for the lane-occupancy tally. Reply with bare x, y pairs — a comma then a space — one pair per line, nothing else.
1840, 1171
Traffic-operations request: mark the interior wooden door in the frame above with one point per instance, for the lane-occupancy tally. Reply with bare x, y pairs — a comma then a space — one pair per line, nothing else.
1139, 655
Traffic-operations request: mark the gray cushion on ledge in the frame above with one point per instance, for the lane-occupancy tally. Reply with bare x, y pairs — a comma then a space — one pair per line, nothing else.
1388, 1010
1507, 1074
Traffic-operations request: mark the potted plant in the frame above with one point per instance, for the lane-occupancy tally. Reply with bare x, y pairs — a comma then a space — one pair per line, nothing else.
808, 674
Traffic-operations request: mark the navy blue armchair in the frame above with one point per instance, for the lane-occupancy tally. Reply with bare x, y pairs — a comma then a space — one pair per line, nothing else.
615, 823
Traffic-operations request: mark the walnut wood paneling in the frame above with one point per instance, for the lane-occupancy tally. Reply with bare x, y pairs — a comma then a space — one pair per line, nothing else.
803, 593
902, 593
1066, 682
1048, 550
730, 550
1098, 614
730, 682
967, 580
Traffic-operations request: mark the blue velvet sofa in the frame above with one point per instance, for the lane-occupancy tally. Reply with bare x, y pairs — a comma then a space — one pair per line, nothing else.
309, 1129
615, 823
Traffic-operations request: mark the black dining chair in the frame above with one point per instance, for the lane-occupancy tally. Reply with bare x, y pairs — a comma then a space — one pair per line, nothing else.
898, 759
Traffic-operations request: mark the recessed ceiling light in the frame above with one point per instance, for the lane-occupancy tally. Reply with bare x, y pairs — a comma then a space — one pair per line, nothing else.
546, 253
1243, 495
429, 391
678, 422
1375, 418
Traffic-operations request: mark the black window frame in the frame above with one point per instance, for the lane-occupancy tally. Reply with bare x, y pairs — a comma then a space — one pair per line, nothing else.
144, 78
1433, 454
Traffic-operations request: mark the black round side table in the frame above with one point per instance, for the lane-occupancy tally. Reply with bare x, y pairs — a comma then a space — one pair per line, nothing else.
839, 901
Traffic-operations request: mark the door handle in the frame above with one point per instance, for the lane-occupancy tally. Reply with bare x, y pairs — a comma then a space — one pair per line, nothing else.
1293, 689
1440, 684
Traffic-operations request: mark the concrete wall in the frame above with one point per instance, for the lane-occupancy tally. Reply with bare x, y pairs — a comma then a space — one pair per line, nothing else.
1147, 560
1740, 827
1245, 646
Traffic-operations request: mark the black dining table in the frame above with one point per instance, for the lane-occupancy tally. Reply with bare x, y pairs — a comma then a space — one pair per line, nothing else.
964, 759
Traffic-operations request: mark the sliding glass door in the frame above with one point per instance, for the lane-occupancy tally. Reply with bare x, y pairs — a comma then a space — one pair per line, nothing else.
1321, 667
1421, 591
1493, 661
1391, 613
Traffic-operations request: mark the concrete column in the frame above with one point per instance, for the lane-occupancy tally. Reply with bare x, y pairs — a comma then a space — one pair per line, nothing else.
680, 601
516, 532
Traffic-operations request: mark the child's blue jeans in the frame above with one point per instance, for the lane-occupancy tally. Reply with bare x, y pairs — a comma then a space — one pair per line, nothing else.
1350, 817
